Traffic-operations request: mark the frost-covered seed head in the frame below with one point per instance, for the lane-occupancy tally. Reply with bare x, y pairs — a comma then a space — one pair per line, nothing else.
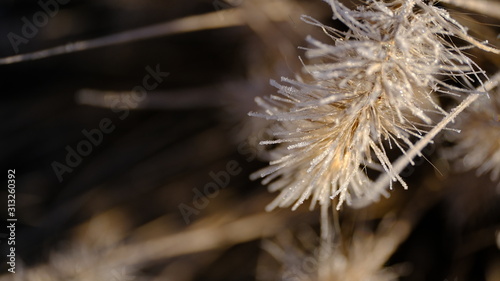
369, 88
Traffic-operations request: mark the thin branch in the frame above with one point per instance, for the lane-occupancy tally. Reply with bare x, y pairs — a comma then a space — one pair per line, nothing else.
213, 20
487, 7
403, 161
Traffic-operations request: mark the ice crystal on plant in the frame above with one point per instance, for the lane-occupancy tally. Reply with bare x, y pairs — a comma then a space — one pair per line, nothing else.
371, 88
479, 124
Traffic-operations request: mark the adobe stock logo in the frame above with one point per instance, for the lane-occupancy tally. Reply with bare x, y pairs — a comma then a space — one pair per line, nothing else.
94, 137
219, 180
30, 28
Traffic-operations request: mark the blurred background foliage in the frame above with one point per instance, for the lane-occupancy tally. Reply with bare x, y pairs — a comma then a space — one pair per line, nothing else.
116, 215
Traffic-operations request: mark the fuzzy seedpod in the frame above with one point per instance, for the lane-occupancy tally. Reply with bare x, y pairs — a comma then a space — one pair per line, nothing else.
370, 88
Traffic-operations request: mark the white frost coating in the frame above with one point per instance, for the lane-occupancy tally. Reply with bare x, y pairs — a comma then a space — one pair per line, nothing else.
374, 83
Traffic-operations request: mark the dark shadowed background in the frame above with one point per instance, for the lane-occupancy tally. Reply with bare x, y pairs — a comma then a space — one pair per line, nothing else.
138, 183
